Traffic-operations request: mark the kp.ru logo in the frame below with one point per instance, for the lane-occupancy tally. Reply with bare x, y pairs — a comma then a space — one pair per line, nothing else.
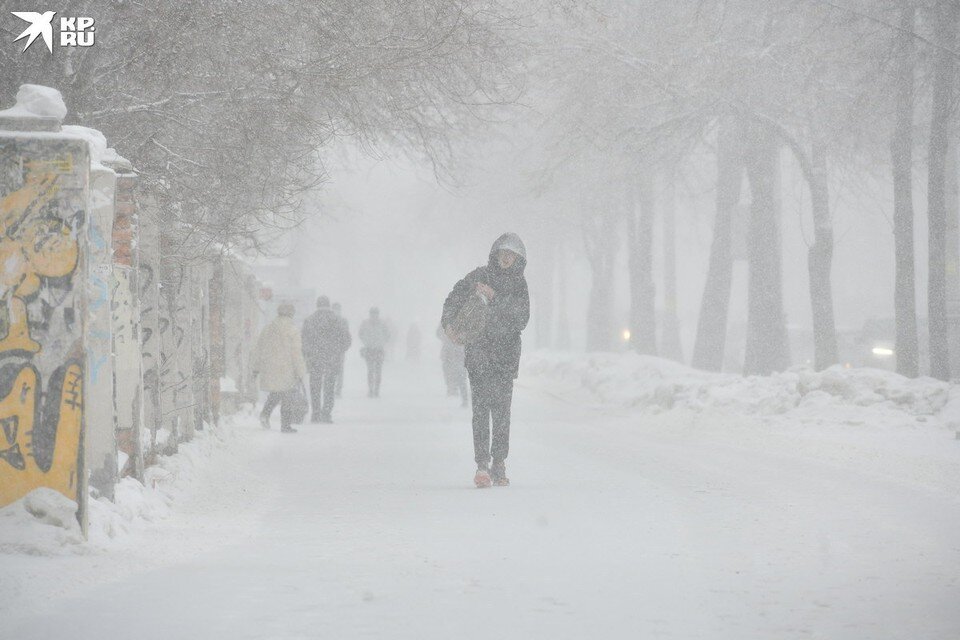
74, 32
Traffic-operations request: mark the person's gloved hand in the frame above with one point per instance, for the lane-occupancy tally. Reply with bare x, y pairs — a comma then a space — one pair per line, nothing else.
485, 290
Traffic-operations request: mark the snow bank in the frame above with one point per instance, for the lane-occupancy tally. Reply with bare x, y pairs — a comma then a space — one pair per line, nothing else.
44, 521
654, 384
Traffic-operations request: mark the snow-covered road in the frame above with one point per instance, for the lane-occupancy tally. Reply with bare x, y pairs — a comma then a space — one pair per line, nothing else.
616, 526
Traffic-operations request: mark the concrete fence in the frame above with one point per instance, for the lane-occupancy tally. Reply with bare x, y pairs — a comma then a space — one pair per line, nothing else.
112, 353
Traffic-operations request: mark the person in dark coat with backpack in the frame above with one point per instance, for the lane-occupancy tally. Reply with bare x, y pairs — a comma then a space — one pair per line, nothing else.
343, 356
325, 340
496, 298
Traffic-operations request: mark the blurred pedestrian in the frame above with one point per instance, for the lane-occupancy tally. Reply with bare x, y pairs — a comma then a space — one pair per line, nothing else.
454, 372
278, 363
486, 311
325, 341
343, 356
374, 335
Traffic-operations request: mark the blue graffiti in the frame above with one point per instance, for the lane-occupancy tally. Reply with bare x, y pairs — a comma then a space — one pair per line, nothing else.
102, 291
95, 365
96, 238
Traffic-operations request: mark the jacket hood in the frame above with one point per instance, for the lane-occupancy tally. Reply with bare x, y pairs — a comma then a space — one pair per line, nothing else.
510, 242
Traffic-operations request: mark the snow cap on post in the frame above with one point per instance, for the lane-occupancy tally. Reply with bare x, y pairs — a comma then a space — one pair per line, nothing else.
102, 157
38, 108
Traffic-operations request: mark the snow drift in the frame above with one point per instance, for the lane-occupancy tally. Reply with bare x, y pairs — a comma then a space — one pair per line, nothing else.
653, 384
44, 522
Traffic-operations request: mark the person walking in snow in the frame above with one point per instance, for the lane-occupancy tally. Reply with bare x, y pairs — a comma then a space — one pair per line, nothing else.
486, 311
343, 355
454, 373
325, 341
374, 335
278, 363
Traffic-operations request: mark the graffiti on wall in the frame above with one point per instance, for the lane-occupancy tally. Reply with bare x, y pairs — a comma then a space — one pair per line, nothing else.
149, 330
43, 185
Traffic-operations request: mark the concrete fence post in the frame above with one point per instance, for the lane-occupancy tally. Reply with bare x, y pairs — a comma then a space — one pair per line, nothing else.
127, 359
44, 209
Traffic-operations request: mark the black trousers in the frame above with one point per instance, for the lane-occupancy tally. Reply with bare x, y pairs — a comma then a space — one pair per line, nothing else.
340, 364
283, 399
374, 370
323, 388
491, 396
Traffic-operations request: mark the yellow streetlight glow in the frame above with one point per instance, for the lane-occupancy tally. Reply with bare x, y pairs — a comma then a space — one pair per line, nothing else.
626, 335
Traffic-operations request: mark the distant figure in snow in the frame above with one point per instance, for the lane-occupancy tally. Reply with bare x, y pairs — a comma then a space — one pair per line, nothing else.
278, 362
325, 340
454, 373
374, 335
343, 356
486, 311
413, 343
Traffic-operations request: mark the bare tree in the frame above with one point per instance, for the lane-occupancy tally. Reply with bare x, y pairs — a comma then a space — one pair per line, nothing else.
670, 345
946, 19
901, 155
641, 212
600, 222
767, 349
228, 132
714, 306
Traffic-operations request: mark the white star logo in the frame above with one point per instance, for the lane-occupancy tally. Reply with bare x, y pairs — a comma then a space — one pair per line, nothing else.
40, 25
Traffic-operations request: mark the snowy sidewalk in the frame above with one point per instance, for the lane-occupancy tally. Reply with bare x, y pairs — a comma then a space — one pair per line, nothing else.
616, 526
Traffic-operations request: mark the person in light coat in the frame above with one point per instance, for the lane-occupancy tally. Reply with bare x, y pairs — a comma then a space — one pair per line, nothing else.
278, 364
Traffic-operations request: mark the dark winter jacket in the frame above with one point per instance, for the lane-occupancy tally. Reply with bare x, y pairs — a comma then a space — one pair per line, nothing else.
325, 337
497, 351
374, 333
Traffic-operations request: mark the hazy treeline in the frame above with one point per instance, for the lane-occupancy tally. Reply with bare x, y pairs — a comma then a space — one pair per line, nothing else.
228, 110
626, 95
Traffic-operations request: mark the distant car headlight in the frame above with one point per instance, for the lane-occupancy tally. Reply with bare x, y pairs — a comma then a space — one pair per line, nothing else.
882, 352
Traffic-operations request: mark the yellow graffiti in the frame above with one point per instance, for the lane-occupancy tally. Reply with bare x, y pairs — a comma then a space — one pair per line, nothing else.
33, 245
59, 164
38, 449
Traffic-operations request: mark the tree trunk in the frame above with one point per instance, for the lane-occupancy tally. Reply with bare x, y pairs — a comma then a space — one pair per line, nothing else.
599, 234
714, 306
767, 349
563, 317
820, 263
901, 154
643, 320
945, 27
670, 346
544, 299
952, 242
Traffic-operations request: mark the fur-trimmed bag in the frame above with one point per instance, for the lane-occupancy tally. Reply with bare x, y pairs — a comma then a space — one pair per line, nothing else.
468, 324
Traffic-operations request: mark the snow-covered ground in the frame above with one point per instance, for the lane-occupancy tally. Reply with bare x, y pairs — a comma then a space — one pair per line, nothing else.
648, 500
